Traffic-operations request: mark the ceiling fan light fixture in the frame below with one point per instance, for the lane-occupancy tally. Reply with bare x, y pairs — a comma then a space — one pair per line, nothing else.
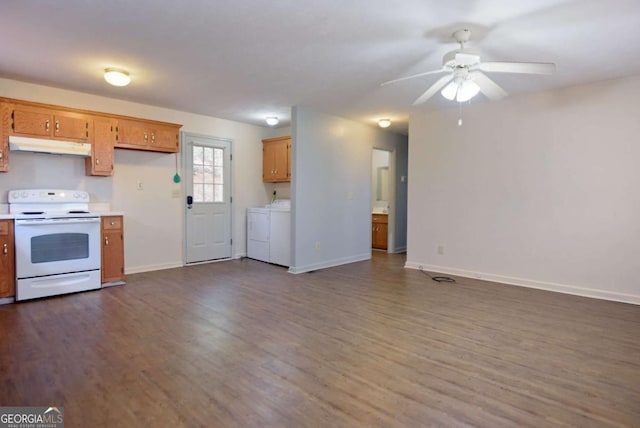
384, 123
272, 120
117, 76
449, 91
467, 90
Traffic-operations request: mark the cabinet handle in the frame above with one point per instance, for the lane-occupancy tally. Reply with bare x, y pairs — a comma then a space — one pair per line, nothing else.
5, 249
146, 137
112, 223
57, 126
97, 161
153, 137
46, 125
106, 241
1, 155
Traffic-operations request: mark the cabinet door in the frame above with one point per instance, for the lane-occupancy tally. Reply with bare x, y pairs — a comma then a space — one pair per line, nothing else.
7, 259
132, 134
104, 138
379, 231
165, 139
71, 126
5, 130
32, 121
268, 162
112, 268
276, 159
281, 152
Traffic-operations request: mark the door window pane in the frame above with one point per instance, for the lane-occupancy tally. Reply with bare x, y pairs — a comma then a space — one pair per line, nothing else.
208, 173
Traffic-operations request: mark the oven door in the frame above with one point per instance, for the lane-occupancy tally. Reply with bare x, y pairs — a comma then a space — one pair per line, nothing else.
57, 245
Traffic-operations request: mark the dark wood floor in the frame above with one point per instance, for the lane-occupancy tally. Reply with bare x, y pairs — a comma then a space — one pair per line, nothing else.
243, 343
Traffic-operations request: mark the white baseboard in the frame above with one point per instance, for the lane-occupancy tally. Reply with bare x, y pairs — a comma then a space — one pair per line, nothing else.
7, 300
149, 268
329, 263
530, 283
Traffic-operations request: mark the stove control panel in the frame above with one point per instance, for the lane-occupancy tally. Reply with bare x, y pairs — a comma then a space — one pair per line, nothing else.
28, 196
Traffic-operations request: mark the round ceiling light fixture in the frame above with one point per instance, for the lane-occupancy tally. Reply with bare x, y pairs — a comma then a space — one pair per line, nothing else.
272, 120
117, 76
384, 123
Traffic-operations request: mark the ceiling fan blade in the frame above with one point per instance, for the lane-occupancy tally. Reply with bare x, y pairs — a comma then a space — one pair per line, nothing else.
433, 89
518, 67
426, 73
488, 86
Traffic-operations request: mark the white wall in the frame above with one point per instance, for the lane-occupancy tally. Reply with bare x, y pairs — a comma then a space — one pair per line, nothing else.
153, 218
538, 190
331, 188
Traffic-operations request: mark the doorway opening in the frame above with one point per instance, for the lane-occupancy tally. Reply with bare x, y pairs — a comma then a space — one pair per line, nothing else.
382, 200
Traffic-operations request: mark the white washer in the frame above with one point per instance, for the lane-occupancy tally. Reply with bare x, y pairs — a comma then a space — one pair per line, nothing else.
269, 233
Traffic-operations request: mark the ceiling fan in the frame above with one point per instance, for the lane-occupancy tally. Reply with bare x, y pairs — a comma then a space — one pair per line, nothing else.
465, 76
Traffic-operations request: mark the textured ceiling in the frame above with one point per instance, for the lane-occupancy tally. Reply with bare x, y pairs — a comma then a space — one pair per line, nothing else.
250, 59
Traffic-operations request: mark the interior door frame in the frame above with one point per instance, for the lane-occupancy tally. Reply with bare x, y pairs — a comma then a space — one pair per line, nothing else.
183, 165
391, 215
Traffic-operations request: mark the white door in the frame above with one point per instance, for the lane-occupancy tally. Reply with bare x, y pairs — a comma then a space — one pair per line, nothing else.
208, 202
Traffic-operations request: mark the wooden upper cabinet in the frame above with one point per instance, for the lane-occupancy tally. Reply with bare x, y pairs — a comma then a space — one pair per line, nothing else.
41, 122
104, 139
148, 135
132, 134
51, 122
165, 138
276, 159
5, 130
71, 126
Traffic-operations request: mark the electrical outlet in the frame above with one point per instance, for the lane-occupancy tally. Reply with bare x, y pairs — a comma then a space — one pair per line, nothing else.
440, 249
317, 246
139, 185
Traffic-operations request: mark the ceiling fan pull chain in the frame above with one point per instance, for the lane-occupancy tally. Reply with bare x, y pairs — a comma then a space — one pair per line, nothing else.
460, 115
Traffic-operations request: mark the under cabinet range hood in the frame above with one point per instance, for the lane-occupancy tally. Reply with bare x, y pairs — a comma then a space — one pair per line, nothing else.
56, 147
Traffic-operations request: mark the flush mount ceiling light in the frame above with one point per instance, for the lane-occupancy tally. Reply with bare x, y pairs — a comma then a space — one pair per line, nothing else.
384, 123
116, 76
272, 121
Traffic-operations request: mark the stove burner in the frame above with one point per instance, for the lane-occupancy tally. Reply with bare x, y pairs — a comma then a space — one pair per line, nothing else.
32, 212
78, 212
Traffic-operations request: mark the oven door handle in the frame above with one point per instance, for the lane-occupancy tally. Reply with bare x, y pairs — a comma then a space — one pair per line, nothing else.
58, 221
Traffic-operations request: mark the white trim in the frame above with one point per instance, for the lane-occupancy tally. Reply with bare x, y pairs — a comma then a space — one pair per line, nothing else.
329, 263
531, 283
150, 268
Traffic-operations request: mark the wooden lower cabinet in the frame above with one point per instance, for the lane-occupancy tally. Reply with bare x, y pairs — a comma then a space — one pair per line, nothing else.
7, 260
379, 231
112, 249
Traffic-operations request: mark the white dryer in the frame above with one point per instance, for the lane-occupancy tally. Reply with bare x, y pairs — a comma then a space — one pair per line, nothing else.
269, 233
